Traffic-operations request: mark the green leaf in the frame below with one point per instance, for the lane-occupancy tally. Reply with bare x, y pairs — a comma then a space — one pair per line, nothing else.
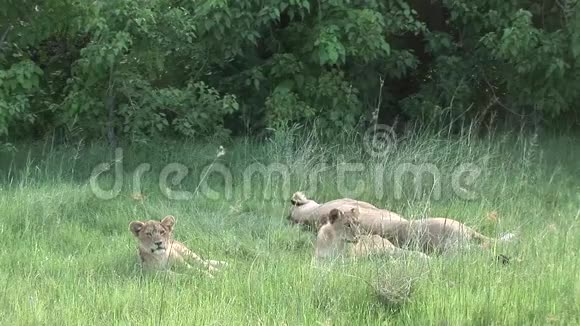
287, 84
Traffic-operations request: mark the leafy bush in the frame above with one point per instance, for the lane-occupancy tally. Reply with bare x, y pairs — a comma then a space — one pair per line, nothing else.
141, 69
17, 85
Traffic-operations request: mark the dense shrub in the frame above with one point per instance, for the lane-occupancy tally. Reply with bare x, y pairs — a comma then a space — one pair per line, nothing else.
138, 69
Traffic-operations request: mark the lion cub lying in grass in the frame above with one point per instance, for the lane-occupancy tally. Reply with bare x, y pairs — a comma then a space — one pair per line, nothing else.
342, 229
371, 219
428, 235
158, 251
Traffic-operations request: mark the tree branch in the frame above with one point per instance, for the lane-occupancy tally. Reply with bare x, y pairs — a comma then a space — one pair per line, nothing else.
4, 35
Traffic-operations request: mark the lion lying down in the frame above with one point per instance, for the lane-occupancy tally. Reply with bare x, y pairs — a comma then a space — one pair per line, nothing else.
372, 220
158, 251
429, 235
443, 235
340, 236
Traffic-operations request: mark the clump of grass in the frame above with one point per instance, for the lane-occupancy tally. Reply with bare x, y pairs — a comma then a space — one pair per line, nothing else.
394, 287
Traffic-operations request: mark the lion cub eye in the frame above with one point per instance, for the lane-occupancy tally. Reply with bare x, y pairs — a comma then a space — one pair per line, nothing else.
149, 233
162, 232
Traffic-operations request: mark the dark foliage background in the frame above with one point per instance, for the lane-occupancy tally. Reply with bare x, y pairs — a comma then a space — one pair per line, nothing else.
139, 69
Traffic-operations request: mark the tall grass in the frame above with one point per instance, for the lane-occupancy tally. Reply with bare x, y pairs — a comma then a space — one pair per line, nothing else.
68, 257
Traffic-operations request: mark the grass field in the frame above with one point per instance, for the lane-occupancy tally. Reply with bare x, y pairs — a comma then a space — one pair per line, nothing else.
69, 258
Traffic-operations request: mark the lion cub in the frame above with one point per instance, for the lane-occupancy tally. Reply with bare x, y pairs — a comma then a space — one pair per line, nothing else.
334, 236
376, 245
157, 249
342, 229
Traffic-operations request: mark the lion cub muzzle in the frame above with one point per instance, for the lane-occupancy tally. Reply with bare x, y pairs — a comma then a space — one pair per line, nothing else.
159, 247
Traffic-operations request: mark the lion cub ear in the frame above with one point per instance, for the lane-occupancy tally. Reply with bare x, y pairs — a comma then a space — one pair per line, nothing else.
355, 212
168, 222
135, 227
334, 215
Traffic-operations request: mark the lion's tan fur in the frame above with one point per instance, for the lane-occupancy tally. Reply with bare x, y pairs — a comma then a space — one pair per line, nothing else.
332, 238
373, 220
369, 245
438, 234
383, 223
159, 251
341, 236
308, 212
430, 235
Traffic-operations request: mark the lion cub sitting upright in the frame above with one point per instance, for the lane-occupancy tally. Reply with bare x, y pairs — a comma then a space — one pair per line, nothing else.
157, 249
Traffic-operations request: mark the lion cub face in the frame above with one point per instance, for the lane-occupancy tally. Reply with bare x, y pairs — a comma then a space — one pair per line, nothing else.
154, 236
345, 225
340, 229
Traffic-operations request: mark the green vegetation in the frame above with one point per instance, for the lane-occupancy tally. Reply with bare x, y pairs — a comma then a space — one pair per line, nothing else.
402, 103
68, 256
138, 70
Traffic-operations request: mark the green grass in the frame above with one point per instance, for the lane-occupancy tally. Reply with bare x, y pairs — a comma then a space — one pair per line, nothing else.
69, 258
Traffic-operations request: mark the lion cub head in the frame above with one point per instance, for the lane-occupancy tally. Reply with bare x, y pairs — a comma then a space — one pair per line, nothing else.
154, 236
333, 237
344, 224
